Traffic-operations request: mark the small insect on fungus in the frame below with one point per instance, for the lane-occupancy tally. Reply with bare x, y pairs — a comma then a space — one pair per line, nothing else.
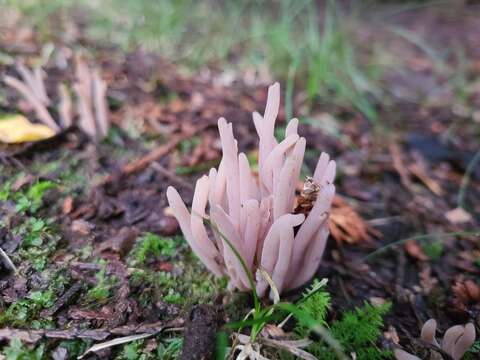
307, 197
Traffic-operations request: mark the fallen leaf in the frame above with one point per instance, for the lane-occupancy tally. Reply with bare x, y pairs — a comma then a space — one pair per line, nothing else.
164, 266
273, 331
465, 294
414, 250
16, 129
458, 216
419, 170
82, 227
346, 225
466, 291
121, 243
114, 342
67, 206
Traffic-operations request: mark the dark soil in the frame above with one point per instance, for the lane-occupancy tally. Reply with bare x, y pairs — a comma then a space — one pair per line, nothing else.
200, 333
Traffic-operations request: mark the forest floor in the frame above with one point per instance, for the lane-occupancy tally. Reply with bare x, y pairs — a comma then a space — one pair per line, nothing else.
97, 255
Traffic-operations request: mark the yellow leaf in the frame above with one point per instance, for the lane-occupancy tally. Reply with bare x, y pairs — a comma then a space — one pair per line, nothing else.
16, 129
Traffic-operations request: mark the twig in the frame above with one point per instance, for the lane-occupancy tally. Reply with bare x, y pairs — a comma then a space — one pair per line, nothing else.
120, 340
154, 155
63, 300
115, 342
399, 166
8, 261
33, 336
174, 178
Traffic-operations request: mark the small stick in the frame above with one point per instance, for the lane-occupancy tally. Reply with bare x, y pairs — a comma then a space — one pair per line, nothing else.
174, 178
8, 261
154, 155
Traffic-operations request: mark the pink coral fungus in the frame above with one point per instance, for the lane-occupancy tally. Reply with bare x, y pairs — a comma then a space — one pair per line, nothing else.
456, 341
256, 215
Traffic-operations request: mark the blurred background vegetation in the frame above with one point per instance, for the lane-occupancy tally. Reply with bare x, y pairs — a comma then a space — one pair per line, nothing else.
321, 47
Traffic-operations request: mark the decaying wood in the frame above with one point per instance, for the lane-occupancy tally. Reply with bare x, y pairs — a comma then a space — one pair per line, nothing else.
33, 336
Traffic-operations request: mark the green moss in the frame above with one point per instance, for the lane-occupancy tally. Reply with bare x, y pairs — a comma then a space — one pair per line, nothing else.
39, 241
186, 146
358, 332
26, 311
434, 250
17, 351
188, 283
317, 307
192, 287
169, 349
153, 245
104, 287
28, 200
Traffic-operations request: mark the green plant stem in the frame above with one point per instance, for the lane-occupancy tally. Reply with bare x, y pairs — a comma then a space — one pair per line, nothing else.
466, 180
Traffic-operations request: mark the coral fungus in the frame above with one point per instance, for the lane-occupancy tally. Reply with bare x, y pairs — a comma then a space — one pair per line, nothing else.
257, 214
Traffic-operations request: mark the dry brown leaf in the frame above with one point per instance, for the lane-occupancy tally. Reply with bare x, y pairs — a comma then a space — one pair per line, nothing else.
346, 225
466, 291
415, 251
465, 294
273, 331
399, 166
67, 206
121, 243
421, 173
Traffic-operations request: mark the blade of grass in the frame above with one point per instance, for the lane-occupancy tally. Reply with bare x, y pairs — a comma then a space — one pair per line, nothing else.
221, 345
419, 238
466, 180
245, 268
